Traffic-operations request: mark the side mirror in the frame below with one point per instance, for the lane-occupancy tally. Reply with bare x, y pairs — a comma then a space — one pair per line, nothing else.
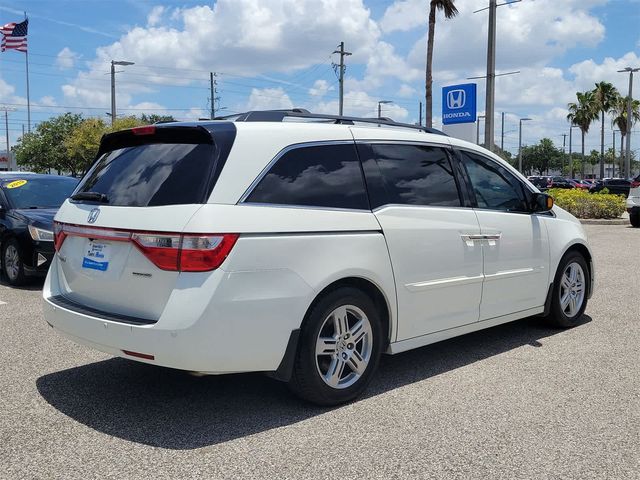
542, 202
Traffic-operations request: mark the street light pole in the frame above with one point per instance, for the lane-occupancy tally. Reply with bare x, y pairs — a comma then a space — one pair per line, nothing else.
520, 144
491, 77
113, 87
627, 160
478, 128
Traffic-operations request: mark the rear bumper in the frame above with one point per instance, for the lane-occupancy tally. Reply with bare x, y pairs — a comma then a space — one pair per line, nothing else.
209, 329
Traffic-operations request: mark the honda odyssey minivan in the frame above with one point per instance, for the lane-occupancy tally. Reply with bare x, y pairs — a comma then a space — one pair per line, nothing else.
304, 249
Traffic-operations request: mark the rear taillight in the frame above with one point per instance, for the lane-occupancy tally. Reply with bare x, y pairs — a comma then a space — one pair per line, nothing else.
635, 184
58, 236
188, 252
200, 253
162, 250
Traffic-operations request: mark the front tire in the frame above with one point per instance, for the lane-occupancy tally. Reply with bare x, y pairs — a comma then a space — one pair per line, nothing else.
634, 218
570, 285
340, 346
12, 264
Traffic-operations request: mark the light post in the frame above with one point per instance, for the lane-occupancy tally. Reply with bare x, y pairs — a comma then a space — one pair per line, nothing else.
571, 127
520, 144
627, 160
113, 86
478, 129
380, 103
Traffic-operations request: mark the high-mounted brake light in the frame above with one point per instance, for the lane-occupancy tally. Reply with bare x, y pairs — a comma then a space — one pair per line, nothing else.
189, 252
146, 130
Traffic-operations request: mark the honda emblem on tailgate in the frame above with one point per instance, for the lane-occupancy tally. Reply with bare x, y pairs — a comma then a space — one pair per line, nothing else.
93, 215
456, 99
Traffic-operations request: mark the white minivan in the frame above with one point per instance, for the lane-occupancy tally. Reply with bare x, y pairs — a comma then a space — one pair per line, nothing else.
304, 248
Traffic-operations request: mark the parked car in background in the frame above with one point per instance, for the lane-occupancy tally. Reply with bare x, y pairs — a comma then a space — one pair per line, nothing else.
633, 202
579, 184
304, 249
616, 186
541, 182
28, 203
559, 182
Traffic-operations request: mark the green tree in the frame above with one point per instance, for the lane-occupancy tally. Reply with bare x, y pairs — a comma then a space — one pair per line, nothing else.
450, 11
620, 120
154, 118
43, 149
541, 157
83, 142
604, 98
582, 115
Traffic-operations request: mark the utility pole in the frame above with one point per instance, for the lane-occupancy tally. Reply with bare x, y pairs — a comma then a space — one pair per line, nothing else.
420, 115
113, 86
502, 134
564, 143
341, 80
6, 127
491, 77
213, 84
520, 144
570, 151
627, 160
613, 175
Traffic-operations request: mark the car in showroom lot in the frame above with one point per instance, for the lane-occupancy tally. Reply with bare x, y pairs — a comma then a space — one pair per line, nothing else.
616, 186
28, 203
633, 202
304, 248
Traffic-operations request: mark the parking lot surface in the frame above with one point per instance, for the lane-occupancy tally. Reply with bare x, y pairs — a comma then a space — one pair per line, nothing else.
516, 401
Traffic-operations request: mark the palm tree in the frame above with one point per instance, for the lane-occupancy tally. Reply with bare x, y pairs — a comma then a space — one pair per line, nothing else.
604, 98
619, 111
450, 11
582, 115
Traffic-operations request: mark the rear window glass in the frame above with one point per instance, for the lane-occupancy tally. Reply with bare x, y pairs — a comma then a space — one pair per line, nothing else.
152, 175
317, 176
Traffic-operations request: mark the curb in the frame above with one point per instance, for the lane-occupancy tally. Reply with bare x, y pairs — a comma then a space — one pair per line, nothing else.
602, 221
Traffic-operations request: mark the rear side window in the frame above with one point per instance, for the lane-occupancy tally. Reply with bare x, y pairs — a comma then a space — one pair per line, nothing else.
153, 174
315, 176
416, 175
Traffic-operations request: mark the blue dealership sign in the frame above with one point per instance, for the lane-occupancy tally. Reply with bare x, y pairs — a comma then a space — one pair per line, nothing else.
459, 103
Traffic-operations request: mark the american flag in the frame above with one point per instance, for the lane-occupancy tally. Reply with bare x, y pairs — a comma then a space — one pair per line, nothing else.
14, 35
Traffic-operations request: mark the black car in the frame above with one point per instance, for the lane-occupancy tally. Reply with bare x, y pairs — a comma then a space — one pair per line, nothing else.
560, 182
617, 186
28, 203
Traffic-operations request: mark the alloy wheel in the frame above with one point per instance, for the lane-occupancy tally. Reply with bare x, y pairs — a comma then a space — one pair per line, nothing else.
344, 346
12, 262
572, 289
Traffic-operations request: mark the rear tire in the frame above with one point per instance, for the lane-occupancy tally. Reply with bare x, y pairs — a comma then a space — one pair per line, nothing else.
634, 218
12, 264
570, 289
341, 341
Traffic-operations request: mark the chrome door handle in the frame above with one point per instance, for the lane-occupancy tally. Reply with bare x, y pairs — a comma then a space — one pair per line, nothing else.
470, 239
493, 236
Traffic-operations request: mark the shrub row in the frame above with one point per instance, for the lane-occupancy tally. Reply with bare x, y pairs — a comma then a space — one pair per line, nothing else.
582, 204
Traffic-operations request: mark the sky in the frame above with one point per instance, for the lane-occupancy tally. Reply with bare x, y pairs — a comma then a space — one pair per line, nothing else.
278, 54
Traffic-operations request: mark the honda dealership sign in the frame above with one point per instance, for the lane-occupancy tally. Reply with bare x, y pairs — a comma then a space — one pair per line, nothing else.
459, 104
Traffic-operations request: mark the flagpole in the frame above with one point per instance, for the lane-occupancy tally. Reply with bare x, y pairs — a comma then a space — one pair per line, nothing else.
26, 60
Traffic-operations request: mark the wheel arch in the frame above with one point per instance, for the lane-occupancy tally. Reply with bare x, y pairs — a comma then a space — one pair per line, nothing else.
372, 290
583, 250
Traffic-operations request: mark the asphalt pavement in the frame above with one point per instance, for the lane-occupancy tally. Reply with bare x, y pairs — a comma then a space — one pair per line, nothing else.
519, 401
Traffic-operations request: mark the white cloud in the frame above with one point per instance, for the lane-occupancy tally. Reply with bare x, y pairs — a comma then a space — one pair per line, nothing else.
268, 98
407, 91
155, 16
66, 59
361, 104
320, 88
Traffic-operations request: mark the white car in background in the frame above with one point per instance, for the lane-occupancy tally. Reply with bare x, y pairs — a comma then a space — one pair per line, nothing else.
304, 248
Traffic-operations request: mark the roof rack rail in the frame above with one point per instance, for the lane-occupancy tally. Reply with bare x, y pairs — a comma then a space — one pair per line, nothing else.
280, 115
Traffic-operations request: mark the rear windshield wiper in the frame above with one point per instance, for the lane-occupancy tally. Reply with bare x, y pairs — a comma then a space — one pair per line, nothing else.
91, 196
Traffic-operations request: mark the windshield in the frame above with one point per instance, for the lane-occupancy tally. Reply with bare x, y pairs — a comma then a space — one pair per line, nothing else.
38, 192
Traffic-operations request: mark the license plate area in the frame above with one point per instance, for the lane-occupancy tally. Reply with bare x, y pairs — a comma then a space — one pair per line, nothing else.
96, 255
